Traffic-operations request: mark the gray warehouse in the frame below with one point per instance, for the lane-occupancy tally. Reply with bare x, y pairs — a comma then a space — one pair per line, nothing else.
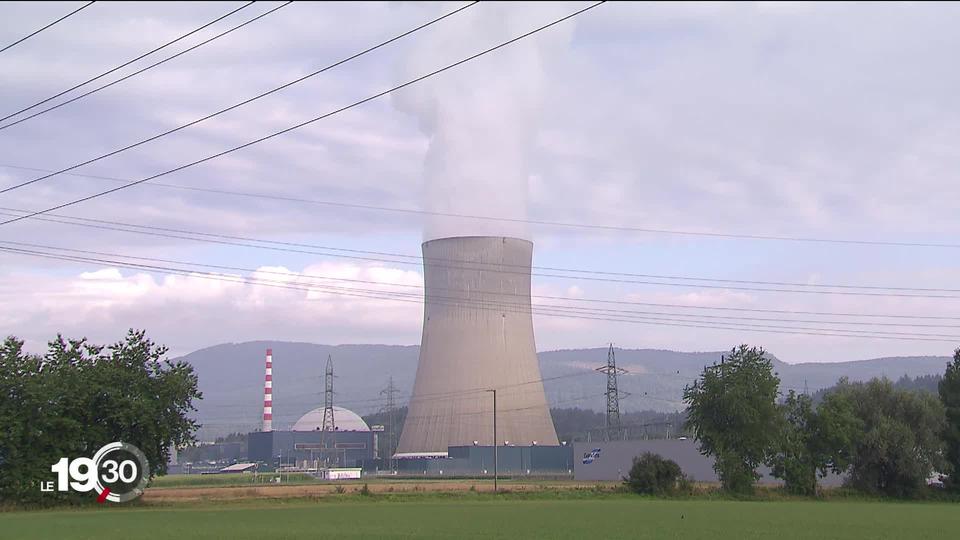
605, 461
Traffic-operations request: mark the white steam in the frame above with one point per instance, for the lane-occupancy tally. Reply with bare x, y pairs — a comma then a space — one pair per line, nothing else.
481, 117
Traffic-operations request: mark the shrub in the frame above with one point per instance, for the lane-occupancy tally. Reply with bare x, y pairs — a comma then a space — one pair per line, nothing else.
652, 474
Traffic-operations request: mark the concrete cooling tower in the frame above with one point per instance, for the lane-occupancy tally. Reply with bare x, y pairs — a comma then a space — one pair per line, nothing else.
477, 335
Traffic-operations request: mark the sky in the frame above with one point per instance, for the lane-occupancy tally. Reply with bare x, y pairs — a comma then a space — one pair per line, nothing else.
829, 120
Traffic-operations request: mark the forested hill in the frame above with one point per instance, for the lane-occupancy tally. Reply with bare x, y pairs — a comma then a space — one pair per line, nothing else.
231, 378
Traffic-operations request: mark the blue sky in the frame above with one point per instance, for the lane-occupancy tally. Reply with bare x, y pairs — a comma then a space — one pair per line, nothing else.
816, 120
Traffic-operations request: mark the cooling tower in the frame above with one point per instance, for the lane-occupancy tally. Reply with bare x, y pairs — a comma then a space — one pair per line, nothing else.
477, 335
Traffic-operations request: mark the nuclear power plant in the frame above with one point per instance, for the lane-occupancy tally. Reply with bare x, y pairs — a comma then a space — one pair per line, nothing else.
477, 337
327, 436
478, 404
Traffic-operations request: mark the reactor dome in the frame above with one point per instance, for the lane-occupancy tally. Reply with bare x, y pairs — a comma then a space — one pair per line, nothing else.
343, 420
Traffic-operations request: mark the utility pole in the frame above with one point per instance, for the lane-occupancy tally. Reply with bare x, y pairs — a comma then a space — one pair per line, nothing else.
328, 434
495, 464
613, 428
391, 411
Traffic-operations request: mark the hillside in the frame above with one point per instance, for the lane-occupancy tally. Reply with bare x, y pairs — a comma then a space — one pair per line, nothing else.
231, 378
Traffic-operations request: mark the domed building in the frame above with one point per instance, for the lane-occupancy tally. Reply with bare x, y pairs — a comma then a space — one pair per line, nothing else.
303, 445
343, 420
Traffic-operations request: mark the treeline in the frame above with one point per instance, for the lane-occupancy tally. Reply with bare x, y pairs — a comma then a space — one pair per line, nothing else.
78, 397
922, 383
884, 439
576, 424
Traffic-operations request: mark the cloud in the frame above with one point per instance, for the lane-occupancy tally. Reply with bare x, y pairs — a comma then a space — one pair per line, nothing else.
189, 312
746, 118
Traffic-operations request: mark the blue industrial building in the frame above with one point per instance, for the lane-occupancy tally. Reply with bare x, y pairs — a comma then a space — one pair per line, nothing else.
349, 445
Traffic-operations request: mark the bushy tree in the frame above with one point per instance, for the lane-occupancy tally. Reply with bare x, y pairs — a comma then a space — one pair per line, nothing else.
78, 397
895, 439
795, 458
654, 475
811, 441
950, 397
732, 411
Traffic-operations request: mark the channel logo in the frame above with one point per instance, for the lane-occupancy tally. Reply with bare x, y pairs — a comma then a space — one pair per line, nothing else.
118, 473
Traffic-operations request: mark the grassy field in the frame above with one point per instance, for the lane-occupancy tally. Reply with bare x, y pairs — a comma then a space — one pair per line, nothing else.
485, 516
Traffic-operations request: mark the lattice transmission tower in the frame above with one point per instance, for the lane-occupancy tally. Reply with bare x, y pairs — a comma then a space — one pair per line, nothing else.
613, 427
390, 410
328, 435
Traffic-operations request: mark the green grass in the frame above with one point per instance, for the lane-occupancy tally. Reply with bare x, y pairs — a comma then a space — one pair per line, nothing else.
485, 516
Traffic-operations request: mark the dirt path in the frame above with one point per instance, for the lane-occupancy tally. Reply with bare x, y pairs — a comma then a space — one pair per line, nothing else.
319, 490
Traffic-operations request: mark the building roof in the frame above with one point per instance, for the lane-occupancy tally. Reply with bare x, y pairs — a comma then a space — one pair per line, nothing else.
239, 467
343, 420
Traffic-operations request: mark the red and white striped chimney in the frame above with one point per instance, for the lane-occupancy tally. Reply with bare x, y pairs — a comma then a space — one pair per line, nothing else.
268, 393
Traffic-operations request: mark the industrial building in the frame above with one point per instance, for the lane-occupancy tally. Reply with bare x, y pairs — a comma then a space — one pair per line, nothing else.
477, 337
611, 460
478, 461
306, 446
327, 436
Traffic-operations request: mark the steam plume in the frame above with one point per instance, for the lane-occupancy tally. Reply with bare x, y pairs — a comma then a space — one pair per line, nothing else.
482, 117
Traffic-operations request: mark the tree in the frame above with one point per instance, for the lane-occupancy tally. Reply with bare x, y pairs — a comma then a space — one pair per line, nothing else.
895, 440
949, 389
732, 411
78, 397
654, 475
811, 441
795, 458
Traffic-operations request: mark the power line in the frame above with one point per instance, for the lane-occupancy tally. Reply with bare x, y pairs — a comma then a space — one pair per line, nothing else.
435, 396
93, 223
433, 416
554, 404
523, 267
440, 396
472, 266
588, 226
554, 311
35, 32
412, 298
242, 103
512, 294
308, 122
127, 63
500, 307
139, 71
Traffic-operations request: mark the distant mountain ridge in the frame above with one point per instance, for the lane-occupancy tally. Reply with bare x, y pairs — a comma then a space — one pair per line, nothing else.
231, 378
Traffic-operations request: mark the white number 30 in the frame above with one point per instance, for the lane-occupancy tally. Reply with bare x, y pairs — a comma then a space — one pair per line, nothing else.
126, 471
